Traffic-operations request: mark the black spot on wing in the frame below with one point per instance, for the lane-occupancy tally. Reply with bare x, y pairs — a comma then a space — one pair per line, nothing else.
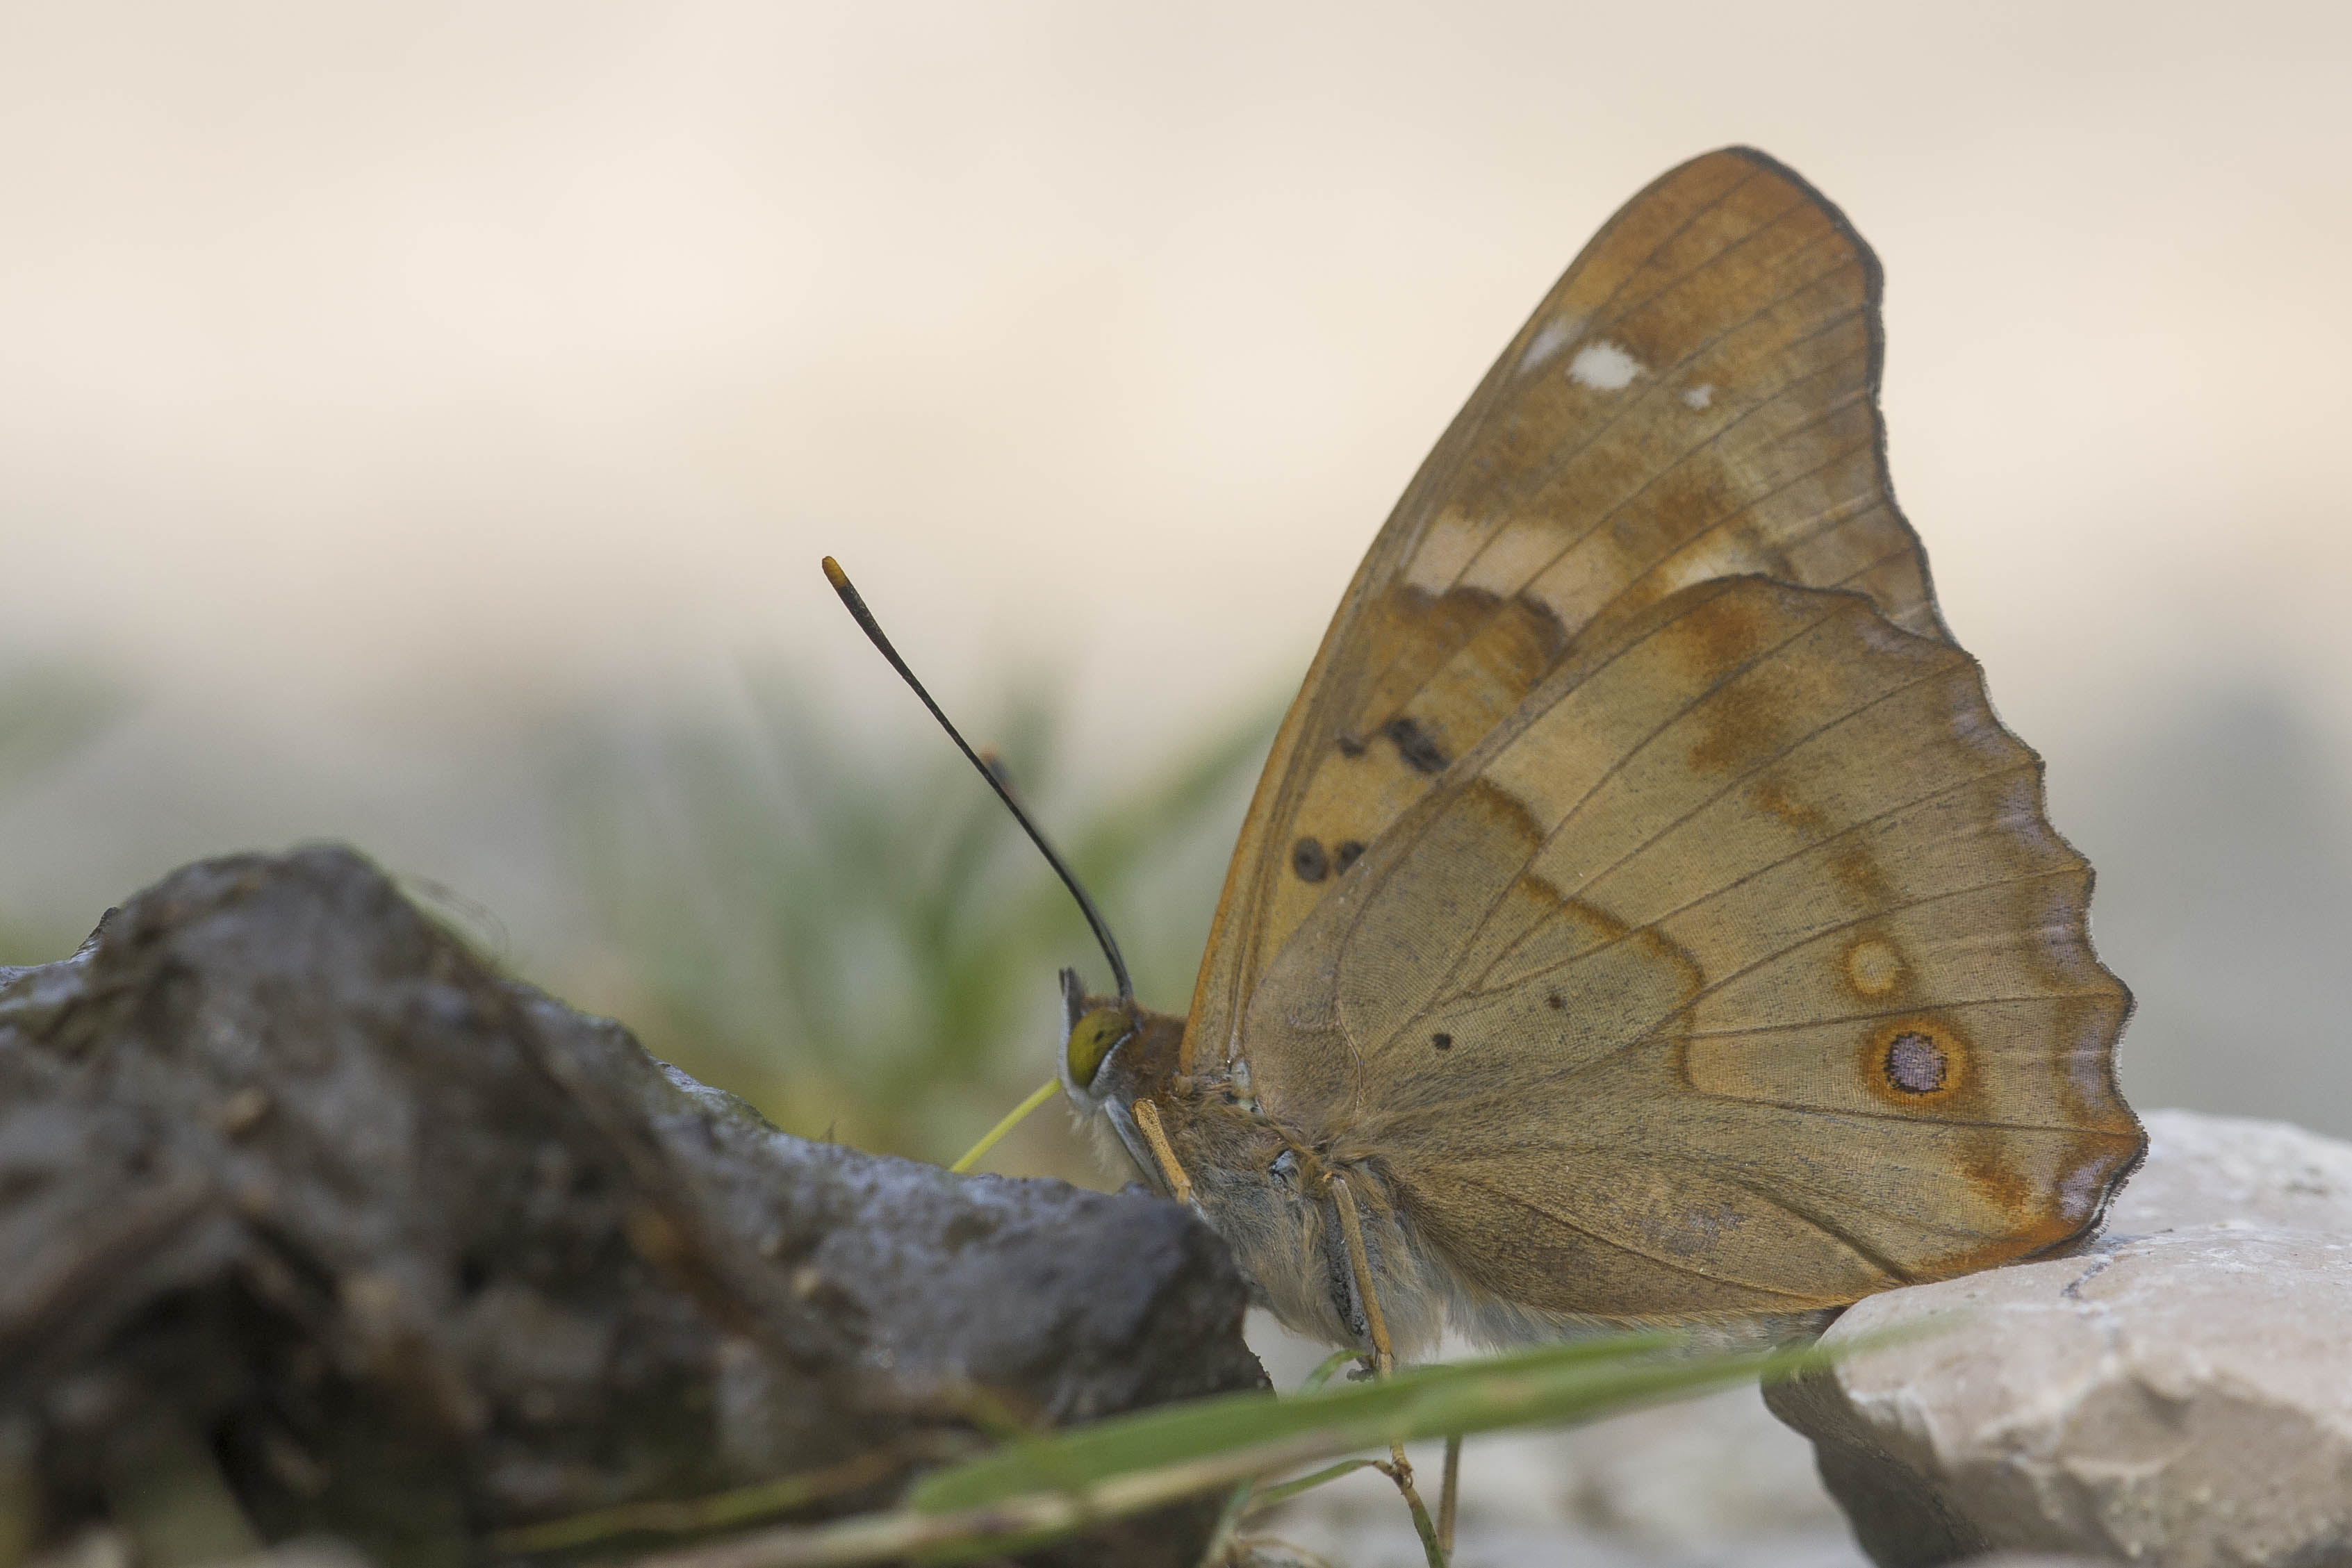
1416, 745
1307, 860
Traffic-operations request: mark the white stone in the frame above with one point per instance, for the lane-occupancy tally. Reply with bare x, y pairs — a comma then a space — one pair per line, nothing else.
2227, 1170
2178, 1394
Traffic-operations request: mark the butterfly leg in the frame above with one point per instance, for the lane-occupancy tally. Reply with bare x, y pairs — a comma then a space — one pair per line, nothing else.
1448, 1494
1398, 1468
1147, 1122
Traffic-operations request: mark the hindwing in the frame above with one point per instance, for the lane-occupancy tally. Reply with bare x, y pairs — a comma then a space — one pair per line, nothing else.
1736, 971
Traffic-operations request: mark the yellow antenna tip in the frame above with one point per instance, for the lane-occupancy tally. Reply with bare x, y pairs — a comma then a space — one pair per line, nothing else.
834, 575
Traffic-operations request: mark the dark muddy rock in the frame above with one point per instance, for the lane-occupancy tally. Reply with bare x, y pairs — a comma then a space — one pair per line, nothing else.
309, 1217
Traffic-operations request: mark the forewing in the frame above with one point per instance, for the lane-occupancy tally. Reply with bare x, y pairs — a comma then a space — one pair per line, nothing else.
1739, 970
1695, 398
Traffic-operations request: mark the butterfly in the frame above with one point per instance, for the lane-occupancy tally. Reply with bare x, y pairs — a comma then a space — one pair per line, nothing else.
1643, 916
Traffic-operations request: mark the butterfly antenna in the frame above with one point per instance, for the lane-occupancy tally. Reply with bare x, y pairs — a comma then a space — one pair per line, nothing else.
856, 605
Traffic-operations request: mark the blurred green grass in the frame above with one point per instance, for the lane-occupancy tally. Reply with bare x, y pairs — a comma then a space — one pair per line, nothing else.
824, 912
838, 921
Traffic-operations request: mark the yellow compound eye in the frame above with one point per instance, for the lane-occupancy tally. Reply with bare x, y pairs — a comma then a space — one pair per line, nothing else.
1092, 1040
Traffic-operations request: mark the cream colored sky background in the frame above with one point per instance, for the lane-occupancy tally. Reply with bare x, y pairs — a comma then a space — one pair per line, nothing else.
357, 350
408, 365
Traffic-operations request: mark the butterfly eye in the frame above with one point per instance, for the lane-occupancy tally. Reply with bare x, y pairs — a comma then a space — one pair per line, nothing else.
1096, 1037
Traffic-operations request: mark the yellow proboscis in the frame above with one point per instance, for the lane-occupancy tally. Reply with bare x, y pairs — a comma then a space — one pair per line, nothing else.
1045, 1092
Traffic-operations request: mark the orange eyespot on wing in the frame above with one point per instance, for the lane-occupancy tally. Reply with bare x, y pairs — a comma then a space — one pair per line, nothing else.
1695, 398
1763, 981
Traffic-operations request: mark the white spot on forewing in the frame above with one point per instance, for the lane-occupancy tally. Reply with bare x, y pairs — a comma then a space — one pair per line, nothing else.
1549, 339
1699, 396
1604, 367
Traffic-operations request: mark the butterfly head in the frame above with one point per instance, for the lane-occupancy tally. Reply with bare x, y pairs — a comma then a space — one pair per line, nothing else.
1113, 1050
1093, 1030
1114, 1053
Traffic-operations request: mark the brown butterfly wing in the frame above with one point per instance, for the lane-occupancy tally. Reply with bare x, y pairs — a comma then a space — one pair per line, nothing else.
1695, 397
1737, 971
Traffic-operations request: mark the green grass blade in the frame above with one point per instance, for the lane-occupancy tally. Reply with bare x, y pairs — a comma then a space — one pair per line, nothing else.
1009, 1119
1273, 1496
1236, 1503
1486, 1393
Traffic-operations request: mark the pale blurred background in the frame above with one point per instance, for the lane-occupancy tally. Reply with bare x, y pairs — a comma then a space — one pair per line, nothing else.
419, 424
